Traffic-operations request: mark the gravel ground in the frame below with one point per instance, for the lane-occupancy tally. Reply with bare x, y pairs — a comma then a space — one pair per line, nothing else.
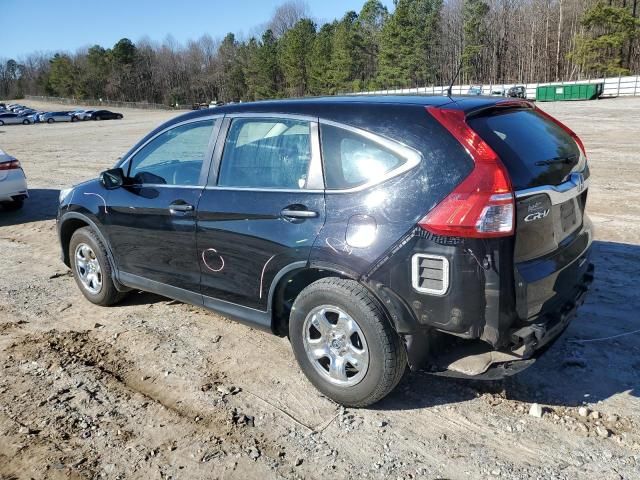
158, 389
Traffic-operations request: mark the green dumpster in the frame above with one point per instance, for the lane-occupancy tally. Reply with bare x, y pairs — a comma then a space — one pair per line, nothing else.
577, 91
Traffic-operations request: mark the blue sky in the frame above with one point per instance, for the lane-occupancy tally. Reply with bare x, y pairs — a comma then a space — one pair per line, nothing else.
55, 25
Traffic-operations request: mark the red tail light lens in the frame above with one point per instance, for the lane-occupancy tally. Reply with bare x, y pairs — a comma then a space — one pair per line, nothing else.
565, 128
12, 165
483, 205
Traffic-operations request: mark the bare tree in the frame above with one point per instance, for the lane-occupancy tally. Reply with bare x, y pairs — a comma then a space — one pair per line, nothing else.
287, 15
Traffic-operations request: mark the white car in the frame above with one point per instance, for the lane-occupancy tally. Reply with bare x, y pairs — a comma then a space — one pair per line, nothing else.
82, 115
13, 183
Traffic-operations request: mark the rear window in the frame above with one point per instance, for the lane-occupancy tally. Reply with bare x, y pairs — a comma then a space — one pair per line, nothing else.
534, 149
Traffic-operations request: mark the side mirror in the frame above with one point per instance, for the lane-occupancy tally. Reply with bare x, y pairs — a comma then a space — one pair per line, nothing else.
112, 179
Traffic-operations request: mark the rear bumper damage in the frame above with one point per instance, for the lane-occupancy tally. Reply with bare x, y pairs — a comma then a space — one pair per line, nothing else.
478, 360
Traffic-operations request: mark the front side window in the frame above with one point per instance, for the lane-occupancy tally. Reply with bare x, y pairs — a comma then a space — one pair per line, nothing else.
266, 153
174, 157
351, 160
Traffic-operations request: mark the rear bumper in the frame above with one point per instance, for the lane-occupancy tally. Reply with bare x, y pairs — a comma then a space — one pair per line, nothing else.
528, 343
13, 186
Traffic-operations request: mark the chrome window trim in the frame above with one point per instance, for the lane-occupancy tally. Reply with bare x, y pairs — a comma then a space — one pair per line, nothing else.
412, 156
559, 193
315, 176
415, 274
257, 189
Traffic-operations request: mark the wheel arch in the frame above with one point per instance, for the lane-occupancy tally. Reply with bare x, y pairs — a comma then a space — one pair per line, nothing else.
72, 221
291, 281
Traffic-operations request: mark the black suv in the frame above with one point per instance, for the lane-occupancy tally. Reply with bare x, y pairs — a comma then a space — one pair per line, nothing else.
374, 232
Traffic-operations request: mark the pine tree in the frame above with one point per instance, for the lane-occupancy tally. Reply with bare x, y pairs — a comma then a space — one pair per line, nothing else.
320, 82
600, 51
295, 54
474, 13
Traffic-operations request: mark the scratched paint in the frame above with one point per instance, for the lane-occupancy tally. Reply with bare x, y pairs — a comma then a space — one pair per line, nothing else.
106, 211
204, 260
262, 274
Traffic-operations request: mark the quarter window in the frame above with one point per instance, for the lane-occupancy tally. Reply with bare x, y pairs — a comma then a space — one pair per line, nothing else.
351, 160
266, 153
174, 157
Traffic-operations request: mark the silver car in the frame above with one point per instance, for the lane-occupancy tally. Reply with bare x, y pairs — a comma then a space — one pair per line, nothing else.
12, 119
52, 117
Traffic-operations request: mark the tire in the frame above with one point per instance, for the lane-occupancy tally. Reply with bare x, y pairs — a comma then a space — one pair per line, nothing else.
1, 123
97, 118
26, 122
106, 294
73, 119
50, 120
119, 117
386, 358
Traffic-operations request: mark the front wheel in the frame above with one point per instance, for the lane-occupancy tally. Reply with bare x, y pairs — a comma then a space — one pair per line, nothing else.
50, 120
91, 269
25, 122
344, 343
1, 123
119, 117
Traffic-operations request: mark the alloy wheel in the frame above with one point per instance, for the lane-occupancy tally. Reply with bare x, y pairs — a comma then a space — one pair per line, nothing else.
88, 268
335, 345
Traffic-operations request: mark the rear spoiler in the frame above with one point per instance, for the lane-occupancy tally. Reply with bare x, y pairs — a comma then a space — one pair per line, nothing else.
501, 105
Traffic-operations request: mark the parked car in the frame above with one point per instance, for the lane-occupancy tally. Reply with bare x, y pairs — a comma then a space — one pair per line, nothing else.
517, 91
497, 92
52, 117
12, 118
13, 183
105, 115
474, 91
35, 117
452, 237
83, 114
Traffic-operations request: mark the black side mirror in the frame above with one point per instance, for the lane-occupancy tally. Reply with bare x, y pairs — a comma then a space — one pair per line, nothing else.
112, 179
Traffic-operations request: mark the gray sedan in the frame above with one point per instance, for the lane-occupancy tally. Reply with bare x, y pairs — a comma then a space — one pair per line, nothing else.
52, 117
12, 118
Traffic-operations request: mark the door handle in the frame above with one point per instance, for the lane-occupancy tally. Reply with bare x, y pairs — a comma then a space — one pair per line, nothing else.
287, 212
181, 207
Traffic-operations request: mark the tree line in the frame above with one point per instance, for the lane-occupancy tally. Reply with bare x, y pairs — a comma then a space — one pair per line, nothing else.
419, 43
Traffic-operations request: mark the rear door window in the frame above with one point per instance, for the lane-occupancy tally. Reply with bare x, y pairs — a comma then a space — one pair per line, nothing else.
351, 160
266, 153
535, 150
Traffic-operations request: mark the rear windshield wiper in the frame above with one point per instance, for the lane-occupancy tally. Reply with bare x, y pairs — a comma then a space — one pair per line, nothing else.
551, 161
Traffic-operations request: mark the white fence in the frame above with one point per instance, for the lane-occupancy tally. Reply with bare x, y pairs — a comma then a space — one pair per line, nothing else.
613, 87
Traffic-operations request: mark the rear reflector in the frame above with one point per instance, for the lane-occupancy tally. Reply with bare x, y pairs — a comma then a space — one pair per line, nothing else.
12, 165
483, 205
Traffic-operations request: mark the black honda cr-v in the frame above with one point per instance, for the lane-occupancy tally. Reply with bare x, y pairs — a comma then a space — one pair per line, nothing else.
375, 232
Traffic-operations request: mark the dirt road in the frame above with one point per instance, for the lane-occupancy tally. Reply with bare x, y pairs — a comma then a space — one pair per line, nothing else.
158, 389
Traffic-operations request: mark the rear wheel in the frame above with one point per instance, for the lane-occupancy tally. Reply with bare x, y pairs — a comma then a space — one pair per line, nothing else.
91, 269
344, 344
50, 120
119, 117
25, 122
1, 123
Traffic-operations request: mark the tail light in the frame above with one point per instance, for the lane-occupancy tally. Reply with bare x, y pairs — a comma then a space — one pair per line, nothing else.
11, 165
483, 205
565, 128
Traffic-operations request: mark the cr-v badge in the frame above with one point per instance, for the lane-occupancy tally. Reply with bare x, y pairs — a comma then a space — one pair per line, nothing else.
536, 215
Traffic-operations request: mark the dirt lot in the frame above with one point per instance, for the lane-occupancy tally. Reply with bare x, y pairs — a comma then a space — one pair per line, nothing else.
158, 389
